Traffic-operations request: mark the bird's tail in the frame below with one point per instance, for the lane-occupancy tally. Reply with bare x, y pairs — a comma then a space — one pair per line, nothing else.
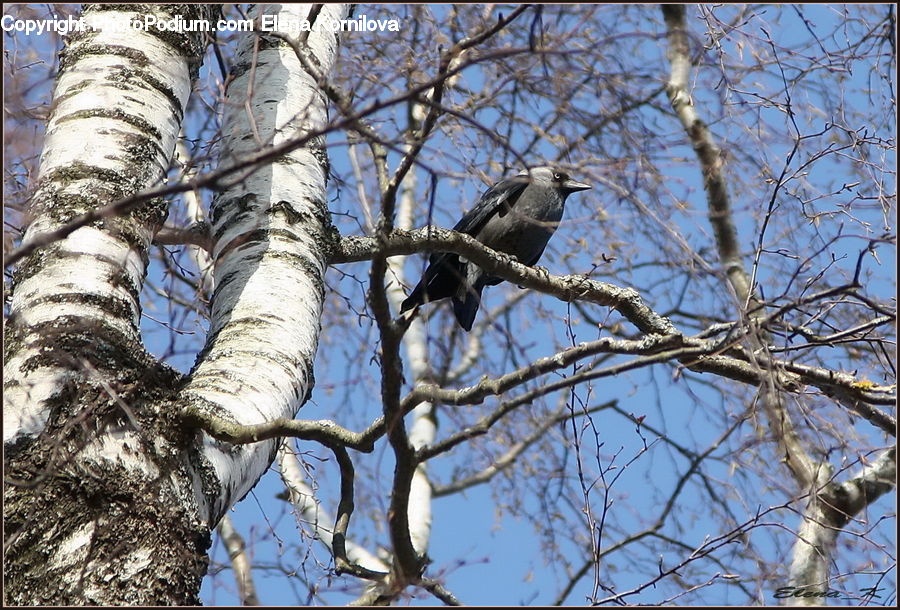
414, 299
465, 310
440, 280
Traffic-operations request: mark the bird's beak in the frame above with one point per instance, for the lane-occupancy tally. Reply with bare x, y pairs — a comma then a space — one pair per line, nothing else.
573, 186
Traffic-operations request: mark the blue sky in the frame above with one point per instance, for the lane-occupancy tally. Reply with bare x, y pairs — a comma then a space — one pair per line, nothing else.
484, 544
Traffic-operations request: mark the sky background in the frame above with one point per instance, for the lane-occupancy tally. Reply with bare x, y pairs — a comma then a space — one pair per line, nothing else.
484, 545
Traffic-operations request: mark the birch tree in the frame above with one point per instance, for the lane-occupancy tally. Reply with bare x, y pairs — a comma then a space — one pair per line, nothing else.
111, 494
694, 402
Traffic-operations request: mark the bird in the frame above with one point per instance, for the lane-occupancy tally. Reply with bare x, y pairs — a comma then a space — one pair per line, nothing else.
516, 216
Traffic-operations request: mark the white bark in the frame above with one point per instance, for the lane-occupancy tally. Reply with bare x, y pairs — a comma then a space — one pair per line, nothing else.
831, 506
271, 232
196, 214
77, 371
423, 430
424, 427
100, 114
310, 515
240, 562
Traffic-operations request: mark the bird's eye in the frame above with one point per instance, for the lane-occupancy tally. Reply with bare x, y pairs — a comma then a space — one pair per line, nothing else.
557, 176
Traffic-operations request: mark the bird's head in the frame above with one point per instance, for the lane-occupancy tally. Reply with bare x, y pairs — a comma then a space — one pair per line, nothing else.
553, 177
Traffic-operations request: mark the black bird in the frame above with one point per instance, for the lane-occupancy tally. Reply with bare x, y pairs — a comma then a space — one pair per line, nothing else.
516, 216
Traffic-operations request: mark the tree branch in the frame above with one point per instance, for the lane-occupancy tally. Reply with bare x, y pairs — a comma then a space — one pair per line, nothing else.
322, 431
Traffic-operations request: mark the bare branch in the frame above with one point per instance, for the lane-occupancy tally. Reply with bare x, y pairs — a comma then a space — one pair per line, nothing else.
325, 432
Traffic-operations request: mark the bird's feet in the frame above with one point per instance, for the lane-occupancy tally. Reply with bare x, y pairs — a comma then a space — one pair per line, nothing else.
542, 270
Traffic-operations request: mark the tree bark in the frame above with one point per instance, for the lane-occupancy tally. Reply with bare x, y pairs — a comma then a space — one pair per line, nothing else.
273, 240
111, 496
94, 485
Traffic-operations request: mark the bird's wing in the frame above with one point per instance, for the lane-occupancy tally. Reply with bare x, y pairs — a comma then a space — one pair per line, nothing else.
496, 200
445, 272
440, 280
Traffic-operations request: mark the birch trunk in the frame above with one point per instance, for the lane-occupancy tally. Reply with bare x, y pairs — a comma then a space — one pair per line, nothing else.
95, 510
273, 237
110, 497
